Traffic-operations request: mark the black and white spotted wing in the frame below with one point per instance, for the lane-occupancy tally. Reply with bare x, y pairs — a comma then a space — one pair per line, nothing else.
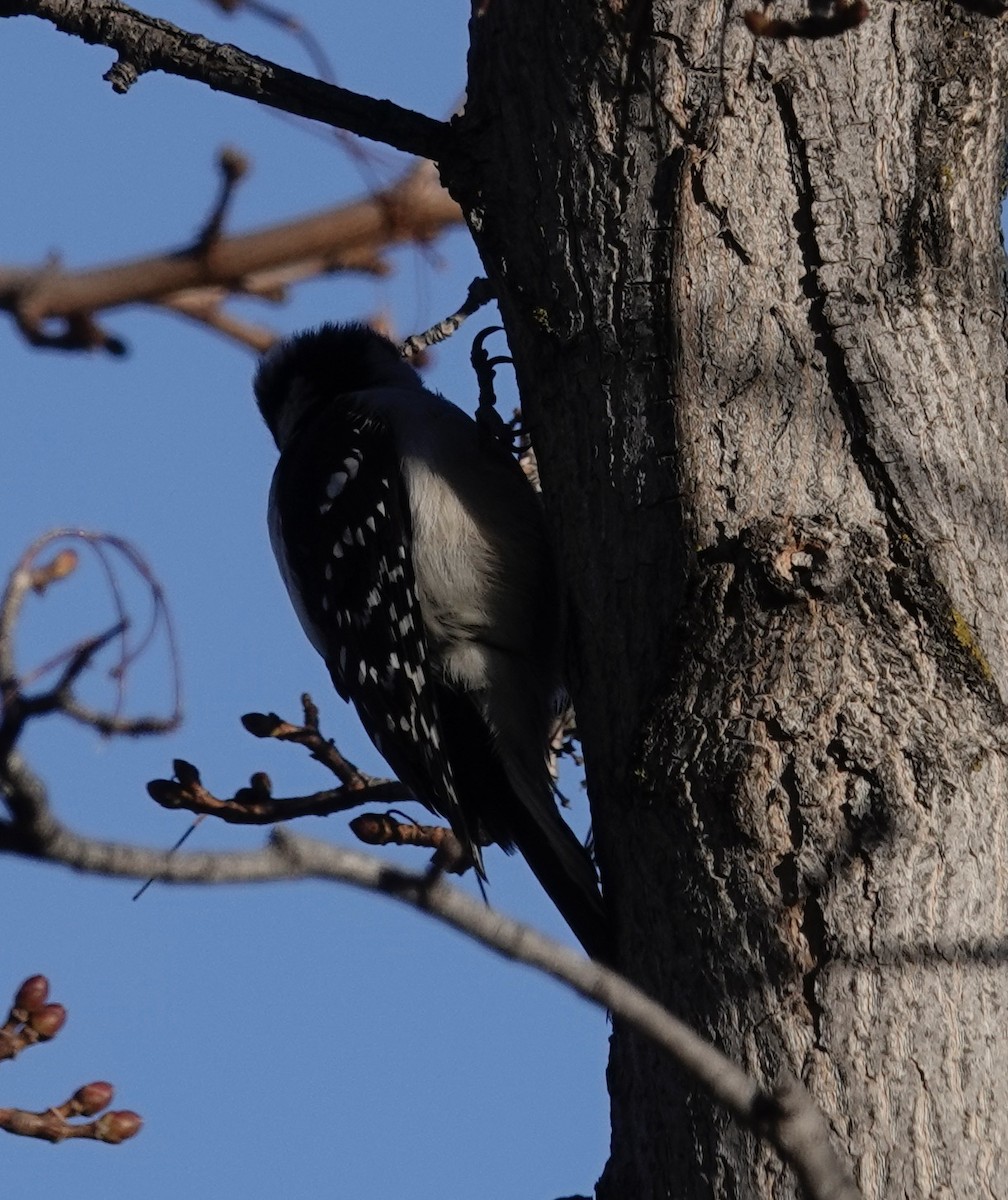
341, 532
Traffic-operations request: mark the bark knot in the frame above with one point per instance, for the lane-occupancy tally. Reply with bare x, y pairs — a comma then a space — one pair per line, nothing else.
799, 558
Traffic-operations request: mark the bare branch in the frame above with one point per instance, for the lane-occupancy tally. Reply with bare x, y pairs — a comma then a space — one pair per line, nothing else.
785, 1117
262, 264
146, 43
256, 805
77, 659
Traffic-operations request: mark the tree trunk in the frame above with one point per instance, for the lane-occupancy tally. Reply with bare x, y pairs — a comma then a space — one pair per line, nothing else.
756, 295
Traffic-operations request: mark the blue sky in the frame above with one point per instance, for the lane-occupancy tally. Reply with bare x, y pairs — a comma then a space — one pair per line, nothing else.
283, 1039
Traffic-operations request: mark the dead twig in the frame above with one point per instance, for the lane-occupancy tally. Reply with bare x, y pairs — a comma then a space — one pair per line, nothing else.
35, 573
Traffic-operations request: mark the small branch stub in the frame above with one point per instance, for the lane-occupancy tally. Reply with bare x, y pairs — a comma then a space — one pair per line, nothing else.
122, 75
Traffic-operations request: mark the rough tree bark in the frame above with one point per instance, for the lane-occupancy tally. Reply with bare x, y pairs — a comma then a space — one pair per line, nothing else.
757, 306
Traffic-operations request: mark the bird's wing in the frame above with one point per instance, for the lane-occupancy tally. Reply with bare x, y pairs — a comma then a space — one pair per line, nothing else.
340, 528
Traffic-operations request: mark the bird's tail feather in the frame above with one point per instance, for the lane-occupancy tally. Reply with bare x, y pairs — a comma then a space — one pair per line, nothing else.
509, 798
507, 793
562, 865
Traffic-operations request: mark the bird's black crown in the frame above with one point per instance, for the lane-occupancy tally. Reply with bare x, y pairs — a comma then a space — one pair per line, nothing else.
323, 363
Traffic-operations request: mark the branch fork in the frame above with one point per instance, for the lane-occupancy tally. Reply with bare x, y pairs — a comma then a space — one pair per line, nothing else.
255, 804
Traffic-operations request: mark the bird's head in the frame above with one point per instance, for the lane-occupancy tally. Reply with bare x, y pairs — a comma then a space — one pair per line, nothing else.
319, 365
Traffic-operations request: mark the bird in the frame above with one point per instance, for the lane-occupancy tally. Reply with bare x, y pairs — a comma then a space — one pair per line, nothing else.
417, 558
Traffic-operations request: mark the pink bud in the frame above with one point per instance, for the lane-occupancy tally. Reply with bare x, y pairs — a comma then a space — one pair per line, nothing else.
92, 1098
48, 1021
116, 1127
31, 995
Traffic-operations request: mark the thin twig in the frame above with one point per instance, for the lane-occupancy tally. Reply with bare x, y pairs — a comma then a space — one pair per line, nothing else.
256, 805
232, 167
16, 705
480, 292
321, 748
364, 158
